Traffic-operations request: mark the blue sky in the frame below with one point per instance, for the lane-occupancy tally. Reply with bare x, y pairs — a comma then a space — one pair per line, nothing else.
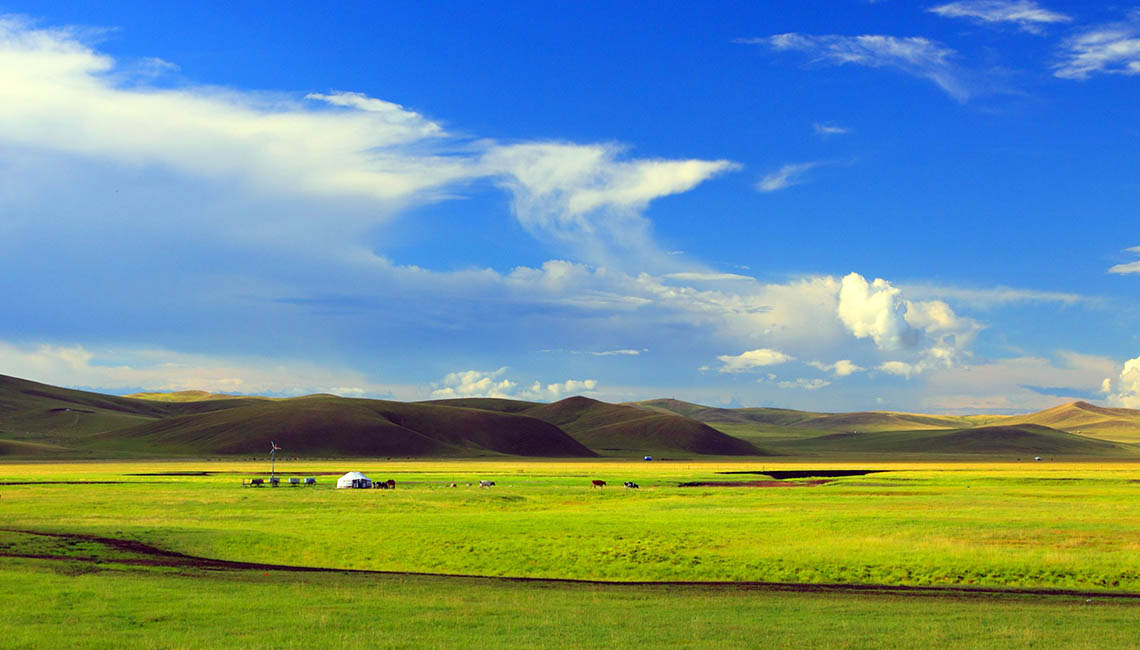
829, 205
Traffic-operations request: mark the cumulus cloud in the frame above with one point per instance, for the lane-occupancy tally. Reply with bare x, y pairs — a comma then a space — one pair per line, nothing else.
752, 359
877, 310
916, 56
1125, 391
1026, 14
1128, 268
841, 368
477, 383
785, 177
1105, 49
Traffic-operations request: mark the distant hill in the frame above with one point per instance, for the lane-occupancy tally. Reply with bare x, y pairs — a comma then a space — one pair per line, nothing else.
1024, 440
862, 421
41, 421
628, 429
188, 396
1115, 424
331, 426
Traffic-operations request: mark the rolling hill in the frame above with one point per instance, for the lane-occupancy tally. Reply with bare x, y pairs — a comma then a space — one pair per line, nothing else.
41, 421
1115, 424
331, 426
621, 429
1022, 440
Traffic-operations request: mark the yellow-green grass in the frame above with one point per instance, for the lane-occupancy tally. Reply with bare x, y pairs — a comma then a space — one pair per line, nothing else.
1017, 525
54, 604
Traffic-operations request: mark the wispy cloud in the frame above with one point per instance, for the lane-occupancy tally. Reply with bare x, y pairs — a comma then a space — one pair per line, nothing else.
1130, 267
827, 129
1026, 14
804, 384
61, 97
785, 177
987, 297
915, 55
1112, 48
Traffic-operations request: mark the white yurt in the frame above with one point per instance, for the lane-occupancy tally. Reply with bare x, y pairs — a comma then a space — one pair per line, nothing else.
354, 480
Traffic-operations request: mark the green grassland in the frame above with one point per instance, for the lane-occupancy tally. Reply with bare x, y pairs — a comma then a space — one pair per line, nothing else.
1025, 525
1010, 526
52, 604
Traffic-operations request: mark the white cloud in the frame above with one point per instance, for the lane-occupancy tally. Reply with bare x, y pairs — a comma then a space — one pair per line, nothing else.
585, 197
1105, 49
804, 384
900, 368
877, 310
474, 383
129, 369
992, 296
841, 368
556, 391
1126, 390
477, 383
751, 360
619, 353
1016, 384
61, 97
708, 277
825, 129
1130, 267
1026, 14
785, 177
915, 56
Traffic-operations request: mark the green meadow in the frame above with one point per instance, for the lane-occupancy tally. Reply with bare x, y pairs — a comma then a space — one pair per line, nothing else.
1011, 526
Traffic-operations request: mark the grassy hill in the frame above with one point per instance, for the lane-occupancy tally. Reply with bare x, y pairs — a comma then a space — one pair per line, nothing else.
38, 420
330, 426
1022, 440
622, 429
1114, 424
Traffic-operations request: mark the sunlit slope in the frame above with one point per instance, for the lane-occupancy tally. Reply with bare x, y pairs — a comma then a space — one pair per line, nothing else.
1023, 440
776, 417
60, 418
335, 426
1115, 424
617, 428
183, 396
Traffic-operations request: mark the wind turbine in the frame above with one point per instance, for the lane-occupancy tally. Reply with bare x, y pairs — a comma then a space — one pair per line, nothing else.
273, 449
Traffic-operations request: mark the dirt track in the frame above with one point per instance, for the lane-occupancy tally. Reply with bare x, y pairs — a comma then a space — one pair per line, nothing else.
154, 556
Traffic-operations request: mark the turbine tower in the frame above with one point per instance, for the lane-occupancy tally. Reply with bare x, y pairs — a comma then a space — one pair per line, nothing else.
273, 449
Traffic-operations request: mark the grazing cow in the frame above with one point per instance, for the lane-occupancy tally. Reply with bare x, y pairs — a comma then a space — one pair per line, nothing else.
631, 485
452, 485
391, 484
598, 484
486, 484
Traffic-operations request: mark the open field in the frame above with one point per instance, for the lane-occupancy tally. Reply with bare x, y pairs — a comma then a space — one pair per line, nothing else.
1009, 527
117, 606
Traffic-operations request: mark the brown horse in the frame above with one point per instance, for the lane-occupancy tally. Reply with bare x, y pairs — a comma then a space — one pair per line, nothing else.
598, 484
